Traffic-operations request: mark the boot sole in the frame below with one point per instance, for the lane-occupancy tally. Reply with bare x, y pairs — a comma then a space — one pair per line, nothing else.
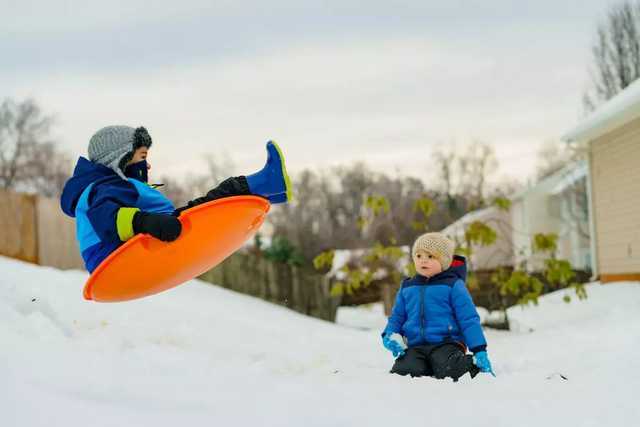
287, 181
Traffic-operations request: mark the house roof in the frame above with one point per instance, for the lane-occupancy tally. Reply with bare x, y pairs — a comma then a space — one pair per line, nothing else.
456, 227
557, 182
620, 109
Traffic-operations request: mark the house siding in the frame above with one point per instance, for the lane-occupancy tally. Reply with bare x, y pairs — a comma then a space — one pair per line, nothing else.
615, 166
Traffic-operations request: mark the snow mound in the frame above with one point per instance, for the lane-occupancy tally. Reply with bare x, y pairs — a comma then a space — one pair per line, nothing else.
202, 354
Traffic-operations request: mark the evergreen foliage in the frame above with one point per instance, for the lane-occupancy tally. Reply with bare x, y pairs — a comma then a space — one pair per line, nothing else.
283, 251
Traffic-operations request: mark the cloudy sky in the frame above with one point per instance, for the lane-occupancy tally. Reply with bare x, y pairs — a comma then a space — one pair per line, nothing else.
332, 81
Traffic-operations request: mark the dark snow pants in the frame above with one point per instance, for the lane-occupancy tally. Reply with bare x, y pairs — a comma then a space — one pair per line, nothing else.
439, 361
234, 186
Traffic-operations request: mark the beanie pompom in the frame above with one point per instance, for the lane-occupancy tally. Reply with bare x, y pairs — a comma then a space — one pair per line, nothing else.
141, 138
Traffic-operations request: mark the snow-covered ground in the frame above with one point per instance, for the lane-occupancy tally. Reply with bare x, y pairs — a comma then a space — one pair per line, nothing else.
202, 355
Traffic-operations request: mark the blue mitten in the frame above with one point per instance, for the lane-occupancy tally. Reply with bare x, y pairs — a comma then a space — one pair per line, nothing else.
394, 343
482, 362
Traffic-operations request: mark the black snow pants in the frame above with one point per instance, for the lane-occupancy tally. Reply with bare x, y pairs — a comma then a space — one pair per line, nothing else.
439, 361
234, 186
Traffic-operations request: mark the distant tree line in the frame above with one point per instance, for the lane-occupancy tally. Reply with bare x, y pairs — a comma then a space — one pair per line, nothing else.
30, 160
328, 203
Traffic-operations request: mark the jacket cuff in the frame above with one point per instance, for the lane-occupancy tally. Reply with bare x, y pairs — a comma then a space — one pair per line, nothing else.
124, 223
478, 349
388, 331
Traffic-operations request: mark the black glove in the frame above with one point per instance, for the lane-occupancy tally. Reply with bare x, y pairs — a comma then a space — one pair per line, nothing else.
164, 227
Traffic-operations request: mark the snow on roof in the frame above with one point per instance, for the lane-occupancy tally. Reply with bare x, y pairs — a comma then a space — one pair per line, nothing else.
557, 182
457, 228
569, 176
620, 109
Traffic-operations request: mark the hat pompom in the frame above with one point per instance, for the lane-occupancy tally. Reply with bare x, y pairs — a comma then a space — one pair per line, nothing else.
141, 138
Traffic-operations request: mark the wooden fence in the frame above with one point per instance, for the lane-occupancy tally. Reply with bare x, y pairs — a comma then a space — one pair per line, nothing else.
34, 229
57, 243
18, 228
292, 287
300, 290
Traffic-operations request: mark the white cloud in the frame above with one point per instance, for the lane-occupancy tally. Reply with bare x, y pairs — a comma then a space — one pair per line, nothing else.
337, 97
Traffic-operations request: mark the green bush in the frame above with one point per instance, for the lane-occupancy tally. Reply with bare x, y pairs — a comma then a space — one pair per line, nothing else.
283, 251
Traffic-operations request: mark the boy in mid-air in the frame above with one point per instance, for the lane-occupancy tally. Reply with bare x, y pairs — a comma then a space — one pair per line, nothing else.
110, 199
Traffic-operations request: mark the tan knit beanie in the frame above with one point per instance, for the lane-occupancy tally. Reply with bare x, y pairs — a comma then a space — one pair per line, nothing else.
438, 245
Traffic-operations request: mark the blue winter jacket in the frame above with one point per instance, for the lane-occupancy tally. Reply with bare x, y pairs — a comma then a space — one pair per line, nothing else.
94, 195
437, 309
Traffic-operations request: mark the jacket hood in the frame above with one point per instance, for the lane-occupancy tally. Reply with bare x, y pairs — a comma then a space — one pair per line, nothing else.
84, 174
457, 271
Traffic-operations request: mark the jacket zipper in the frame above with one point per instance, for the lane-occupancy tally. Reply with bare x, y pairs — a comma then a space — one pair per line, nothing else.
422, 313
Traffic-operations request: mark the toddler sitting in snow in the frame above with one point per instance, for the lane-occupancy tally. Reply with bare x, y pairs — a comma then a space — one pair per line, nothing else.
434, 320
109, 196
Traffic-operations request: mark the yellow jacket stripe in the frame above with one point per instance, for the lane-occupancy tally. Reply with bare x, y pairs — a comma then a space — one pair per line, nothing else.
124, 223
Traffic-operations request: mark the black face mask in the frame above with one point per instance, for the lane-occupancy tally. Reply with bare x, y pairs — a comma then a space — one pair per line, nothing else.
137, 171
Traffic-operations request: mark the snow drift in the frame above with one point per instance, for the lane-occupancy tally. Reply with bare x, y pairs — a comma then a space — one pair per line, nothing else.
202, 355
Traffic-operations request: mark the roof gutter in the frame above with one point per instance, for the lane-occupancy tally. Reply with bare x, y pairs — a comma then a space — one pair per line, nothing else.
617, 111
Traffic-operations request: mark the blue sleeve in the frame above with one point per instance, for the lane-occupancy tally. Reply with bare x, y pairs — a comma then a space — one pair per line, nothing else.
104, 203
398, 315
467, 317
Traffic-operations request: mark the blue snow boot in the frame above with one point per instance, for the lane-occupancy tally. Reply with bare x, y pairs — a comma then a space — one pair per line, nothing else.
272, 181
278, 198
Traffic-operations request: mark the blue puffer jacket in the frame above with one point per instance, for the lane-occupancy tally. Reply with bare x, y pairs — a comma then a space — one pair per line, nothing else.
437, 309
94, 195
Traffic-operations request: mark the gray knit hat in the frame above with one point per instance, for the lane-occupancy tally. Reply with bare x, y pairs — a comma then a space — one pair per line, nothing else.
113, 146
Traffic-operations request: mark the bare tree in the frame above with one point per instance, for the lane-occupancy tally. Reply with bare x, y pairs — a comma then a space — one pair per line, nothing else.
445, 161
551, 157
329, 204
22, 128
219, 168
402, 194
175, 191
305, 222
180, 191
616, 54
48, 170
476, 164
463, 174
29, 158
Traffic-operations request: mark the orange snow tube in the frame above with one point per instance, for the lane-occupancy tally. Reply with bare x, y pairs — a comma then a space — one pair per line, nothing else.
145, 265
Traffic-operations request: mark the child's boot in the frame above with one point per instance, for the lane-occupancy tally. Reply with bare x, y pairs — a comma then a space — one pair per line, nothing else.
278, 198
272, 181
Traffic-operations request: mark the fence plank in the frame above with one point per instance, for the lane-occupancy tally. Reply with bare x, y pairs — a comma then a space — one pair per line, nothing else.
282, 284
18, 228
57, 243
